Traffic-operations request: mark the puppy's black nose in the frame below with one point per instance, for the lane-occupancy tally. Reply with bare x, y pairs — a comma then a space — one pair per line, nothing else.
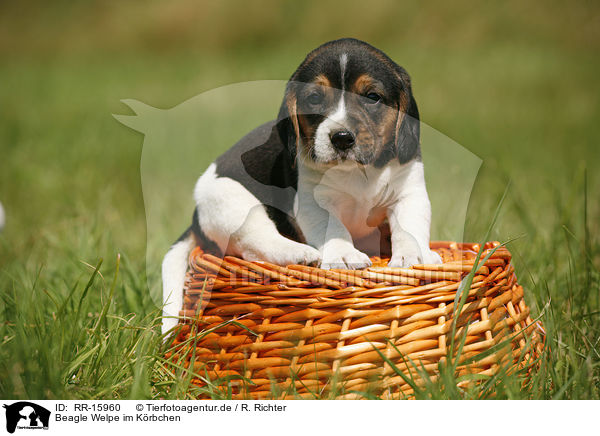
342, 139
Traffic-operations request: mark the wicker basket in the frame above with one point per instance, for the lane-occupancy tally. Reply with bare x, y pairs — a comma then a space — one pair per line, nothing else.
298, 331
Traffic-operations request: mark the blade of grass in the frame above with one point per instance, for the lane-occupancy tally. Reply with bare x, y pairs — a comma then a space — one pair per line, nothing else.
101, 319
462, 292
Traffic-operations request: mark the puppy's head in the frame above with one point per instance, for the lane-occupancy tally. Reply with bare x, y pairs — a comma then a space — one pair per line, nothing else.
349, 101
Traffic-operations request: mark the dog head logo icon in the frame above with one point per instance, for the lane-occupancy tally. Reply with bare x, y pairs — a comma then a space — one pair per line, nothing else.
26, 415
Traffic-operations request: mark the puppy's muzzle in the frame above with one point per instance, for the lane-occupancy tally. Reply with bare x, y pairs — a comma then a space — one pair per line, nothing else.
342, 140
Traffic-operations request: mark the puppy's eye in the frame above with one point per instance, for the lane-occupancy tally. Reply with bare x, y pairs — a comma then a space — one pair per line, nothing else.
373, 98
315, 98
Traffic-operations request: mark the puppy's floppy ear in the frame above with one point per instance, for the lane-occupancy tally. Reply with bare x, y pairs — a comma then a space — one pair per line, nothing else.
287, 122
408, 127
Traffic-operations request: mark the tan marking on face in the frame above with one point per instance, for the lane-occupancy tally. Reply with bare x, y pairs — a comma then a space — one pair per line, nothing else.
402, 108
307, 128
363, 84
290, 101
388, 124
322, 80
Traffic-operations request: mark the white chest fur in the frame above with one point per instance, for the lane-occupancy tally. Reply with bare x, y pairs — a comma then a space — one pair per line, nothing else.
358, 195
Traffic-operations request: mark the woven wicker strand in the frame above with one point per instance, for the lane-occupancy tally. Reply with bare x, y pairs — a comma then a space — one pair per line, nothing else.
299, 331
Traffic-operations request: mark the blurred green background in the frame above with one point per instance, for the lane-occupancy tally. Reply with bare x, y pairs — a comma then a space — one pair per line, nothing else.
514, 82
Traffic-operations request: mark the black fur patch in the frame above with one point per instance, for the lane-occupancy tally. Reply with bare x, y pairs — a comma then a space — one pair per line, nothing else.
258, 164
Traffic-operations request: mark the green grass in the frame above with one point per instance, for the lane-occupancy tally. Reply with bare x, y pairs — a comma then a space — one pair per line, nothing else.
77, 319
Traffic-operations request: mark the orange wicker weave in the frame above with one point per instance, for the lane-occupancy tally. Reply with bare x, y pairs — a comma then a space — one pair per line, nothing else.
297, 331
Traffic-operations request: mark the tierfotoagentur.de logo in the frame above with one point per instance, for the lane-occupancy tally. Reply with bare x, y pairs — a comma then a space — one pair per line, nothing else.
26, 415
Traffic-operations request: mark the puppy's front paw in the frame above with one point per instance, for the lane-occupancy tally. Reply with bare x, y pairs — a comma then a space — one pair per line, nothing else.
407, 257
343, 255
431, 257
305, 255
284, 252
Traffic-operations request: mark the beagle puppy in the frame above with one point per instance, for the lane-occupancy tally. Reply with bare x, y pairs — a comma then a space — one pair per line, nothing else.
337, 177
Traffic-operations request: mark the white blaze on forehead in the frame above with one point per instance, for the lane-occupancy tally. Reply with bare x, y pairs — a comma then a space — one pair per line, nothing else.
339, 116
343, 62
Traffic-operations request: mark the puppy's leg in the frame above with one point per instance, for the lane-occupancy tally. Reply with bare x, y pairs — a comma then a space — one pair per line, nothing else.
338, 248
410, 220
174, 267
324, 230
239, 224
